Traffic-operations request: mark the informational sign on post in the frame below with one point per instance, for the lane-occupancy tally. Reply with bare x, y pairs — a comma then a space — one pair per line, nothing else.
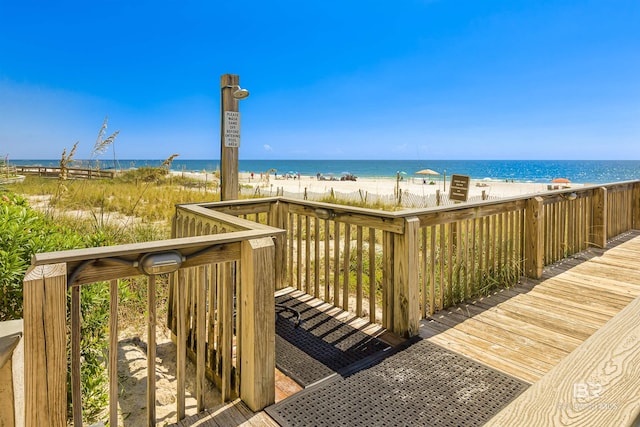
459, 189
232, 129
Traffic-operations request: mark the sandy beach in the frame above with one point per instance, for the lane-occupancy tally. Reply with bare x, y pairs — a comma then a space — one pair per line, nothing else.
413, 185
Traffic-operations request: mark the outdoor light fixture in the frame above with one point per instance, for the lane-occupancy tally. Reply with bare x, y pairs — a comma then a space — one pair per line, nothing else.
324, 213
238, 93
160, 262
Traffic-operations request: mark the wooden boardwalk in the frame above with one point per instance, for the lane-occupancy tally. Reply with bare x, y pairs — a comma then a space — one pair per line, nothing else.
523, 331
527, 330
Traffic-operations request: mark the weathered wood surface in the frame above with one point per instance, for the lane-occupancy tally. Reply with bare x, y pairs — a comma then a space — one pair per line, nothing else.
597, 384
527, 330
231, 414
45, 296
256, 309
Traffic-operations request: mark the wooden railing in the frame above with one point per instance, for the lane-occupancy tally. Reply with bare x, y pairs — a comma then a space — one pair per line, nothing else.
392, 267
77, 173
398, 267
233, 344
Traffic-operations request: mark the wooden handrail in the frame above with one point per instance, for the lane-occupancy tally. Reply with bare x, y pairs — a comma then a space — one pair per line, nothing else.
460, 248
251, 252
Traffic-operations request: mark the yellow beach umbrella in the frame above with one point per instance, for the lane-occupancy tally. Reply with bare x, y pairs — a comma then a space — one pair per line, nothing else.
427, 172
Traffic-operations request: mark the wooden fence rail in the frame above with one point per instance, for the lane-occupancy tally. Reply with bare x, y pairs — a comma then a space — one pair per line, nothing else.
72, 173
397, 267
232, 344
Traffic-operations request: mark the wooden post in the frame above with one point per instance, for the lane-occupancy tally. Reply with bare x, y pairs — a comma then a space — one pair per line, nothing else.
45, 351
635, 206
534, 240
228, 155
257, 326
406, 310
599, 217
277, 218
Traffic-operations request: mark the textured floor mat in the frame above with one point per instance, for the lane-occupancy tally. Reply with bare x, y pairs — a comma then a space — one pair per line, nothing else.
422, 385
320, 345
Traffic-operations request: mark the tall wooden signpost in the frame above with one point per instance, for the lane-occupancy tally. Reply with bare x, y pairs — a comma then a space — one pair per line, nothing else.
229, 137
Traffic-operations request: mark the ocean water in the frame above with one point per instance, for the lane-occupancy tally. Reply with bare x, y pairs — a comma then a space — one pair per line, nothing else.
540, 171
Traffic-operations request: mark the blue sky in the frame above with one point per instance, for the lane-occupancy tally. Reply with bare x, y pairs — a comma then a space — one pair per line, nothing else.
328, 79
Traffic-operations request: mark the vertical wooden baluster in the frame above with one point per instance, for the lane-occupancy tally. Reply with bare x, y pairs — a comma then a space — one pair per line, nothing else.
432, 271
316, 269
211, 337
327, 259
424, 269
442, 264
359, 271
307, 255
500, 241
346, 267
292, 232
481, 252
151, 351
492, 248
450, 250
372, 275
181, 343
467, 235
336, 264
76, 391
226, 327
113, 353
509, 258
299, 252
201, 334
474, 257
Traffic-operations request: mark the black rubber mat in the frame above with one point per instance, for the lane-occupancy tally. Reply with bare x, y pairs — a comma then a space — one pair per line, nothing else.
422, 385
320, 345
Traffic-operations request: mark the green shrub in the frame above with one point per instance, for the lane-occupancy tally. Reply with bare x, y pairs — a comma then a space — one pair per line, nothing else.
24, 232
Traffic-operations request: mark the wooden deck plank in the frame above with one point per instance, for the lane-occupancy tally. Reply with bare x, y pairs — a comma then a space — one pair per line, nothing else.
584, 295
482, 328
568, 311
523, 346
546, 320
604, 275
526, 330
618, 301
534, 298
577, 300
451, 341
606, 369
